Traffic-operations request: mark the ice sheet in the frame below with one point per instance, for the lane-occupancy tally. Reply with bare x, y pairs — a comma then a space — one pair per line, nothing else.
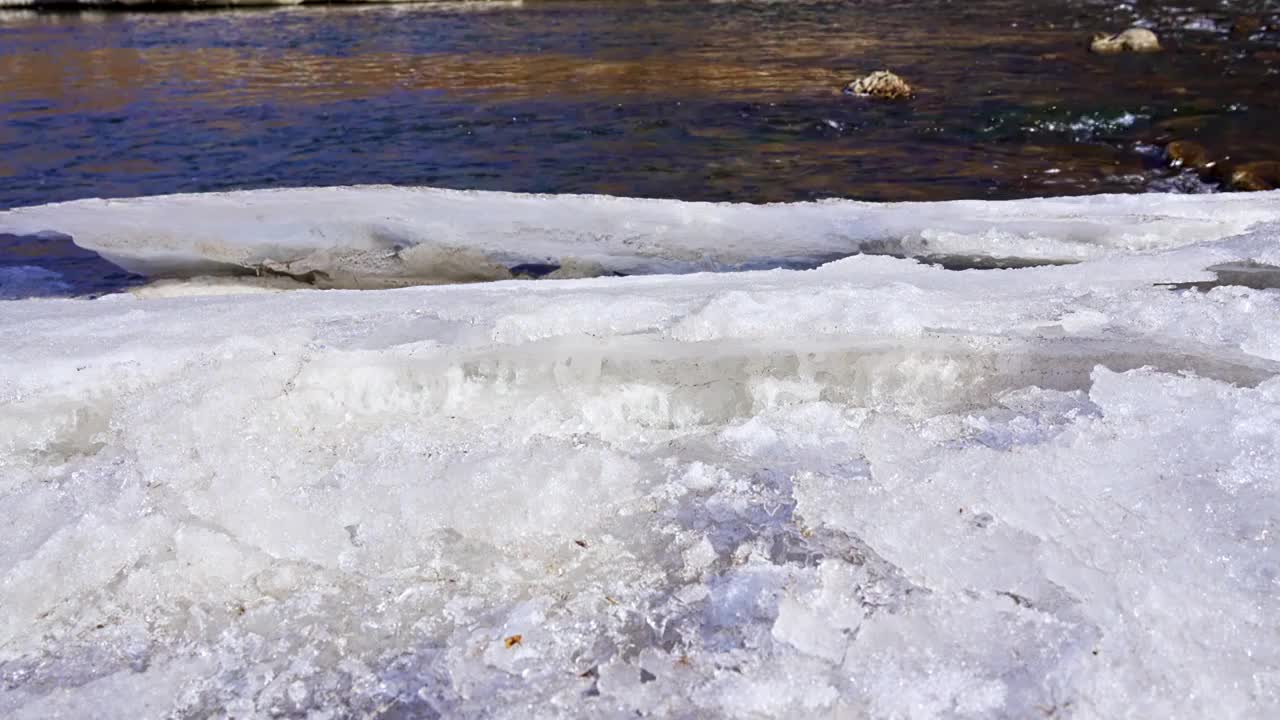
363, 237
875, 489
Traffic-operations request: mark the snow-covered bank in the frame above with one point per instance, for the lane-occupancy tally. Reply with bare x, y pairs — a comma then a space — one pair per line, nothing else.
875, 489
362, 237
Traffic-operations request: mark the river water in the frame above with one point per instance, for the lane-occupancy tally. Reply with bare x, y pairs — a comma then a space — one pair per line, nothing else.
726, 101
708, 101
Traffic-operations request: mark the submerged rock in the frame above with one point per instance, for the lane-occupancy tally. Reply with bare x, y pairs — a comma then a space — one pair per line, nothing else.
1188, 154
1138, 40
1245, 26
880, 84
1227, 172
1261, 175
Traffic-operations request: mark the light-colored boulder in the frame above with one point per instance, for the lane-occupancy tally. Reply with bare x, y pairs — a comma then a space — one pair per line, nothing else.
1138, 40
880, 84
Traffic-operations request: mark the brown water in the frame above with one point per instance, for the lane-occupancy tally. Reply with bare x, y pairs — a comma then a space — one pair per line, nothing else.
709, 101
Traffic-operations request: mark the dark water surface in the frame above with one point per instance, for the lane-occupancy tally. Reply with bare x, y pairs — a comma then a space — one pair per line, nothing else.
708, 101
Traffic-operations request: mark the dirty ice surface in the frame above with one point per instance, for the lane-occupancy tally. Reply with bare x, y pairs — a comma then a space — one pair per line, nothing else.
875, 489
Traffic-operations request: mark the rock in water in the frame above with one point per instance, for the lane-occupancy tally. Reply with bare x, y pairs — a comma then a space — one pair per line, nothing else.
1262, 175
1245, 26
880, 84
1139, 40
1188, 154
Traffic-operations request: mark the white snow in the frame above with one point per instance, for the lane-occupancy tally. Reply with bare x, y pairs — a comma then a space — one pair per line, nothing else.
874, 489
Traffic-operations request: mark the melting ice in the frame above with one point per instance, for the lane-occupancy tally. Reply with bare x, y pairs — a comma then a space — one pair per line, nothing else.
873, 489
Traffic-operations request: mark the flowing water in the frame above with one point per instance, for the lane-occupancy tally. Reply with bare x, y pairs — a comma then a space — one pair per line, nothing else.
737, 101
712, 101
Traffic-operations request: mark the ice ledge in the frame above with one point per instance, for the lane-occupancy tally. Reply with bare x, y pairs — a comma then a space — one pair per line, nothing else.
381, 236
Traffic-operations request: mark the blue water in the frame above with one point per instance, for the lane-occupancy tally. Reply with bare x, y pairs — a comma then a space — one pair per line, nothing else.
701, 101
